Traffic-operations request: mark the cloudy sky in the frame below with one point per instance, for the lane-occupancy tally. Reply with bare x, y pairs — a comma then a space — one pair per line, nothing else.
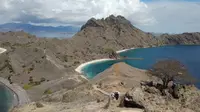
161, 16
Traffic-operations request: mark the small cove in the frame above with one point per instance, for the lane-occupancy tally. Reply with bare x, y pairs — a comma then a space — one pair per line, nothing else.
189, 55
6, 99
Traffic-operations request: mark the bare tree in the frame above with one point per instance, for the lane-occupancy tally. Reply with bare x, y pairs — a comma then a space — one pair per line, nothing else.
171, 70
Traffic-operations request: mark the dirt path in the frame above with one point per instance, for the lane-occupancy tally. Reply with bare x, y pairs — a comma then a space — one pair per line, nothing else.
100, 90
104, 92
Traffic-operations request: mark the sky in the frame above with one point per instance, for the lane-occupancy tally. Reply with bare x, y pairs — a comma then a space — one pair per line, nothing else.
159, 16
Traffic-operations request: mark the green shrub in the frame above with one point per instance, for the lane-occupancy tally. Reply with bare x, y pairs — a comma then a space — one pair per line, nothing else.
39, 105
48, 91
35, 49
6, 44
27, 86
42, 79
76, 62
65, 58
108, 50
37, 83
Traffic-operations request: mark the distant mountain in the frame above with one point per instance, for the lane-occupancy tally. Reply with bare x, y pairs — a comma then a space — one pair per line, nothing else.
41, 31
156, 34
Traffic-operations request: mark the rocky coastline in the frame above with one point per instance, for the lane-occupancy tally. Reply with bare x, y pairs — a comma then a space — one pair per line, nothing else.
20, 96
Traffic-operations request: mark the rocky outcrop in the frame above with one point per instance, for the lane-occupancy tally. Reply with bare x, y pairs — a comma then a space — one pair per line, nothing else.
151, 101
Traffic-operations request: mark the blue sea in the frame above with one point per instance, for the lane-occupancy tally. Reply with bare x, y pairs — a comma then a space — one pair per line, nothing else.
6, 98
189, 55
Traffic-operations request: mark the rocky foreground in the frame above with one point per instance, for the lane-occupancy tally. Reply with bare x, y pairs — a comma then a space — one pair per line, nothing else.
135, 95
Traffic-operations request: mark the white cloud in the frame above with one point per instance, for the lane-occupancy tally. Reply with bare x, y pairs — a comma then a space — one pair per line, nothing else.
72, 11
174, 17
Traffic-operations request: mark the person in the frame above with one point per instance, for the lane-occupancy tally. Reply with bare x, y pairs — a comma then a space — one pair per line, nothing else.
112, 95
116, 95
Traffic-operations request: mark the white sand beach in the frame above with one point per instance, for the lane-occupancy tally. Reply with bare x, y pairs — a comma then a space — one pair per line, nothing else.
2, 50
79, 68
124, 50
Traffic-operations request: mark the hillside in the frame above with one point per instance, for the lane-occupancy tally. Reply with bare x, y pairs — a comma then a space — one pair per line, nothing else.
94, 96
84, 98
111, 32
37, 58
177, 39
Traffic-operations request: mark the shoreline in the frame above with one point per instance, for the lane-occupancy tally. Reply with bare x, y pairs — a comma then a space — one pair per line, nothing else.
20, 97
79, 69
5, 83
124, 50
2, 50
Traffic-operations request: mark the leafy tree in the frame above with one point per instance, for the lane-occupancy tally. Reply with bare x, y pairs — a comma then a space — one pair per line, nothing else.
171, 70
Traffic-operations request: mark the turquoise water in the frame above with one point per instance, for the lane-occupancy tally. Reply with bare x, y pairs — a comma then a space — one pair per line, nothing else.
5, 99
188, 55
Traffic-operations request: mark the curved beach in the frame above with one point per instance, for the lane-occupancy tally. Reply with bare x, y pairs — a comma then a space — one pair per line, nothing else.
80, 67
2, 50
124, 50
20, 95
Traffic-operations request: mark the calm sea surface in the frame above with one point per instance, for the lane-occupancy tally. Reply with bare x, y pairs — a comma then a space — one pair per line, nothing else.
189, 55
6, 98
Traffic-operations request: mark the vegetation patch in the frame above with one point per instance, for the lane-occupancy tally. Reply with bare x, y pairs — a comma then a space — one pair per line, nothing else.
33, 83
39, 105
27, 86
47, 91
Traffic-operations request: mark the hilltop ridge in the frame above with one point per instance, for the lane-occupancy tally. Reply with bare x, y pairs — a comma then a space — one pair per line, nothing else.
114, 32
111, 20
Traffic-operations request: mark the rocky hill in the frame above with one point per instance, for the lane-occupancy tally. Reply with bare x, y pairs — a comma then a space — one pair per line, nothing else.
177, 39
37, 64
111, 32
